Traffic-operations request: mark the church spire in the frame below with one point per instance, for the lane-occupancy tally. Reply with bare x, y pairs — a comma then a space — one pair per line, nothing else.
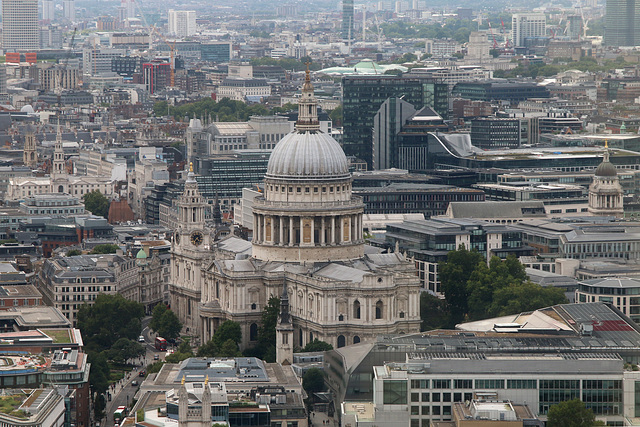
307, 106
59, 167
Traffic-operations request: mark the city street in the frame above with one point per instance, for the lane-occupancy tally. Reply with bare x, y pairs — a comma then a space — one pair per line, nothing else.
123, 392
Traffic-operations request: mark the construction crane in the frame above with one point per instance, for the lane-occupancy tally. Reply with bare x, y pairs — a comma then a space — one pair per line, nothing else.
495, 42
504, 33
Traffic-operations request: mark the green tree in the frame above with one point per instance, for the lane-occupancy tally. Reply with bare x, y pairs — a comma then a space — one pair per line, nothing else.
527, 296
433, 312
107, 248
317, 345
125, 349
453, 275
74, 252
570, 413
96, 203
228, 331
110, 318
98, 379
229, 348
313, 381
486, 280
267, 330
182, 353
165, 322
336, 116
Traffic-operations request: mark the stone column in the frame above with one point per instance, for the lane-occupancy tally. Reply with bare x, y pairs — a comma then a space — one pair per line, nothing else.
313, 231
281, 236
255, 227
322, 231
272, 225
341, 238
290, 231
333, 230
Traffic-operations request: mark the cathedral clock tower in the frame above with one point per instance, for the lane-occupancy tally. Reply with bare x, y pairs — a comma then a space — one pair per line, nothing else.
190, 249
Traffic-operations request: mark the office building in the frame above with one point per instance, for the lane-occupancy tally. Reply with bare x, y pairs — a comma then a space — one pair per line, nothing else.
576, 27
497, 90
216, 51
20, 25
621, 292
430, 241
363, 96
497, 133
48, 10
622, 23
69, 10
347, 29
182, 23
540, 358
527, 25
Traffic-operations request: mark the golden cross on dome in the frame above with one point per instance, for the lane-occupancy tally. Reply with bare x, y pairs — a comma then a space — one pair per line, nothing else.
190, 166
606, 143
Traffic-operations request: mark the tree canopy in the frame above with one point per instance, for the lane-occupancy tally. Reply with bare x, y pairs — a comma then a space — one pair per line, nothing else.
313, 381
224, 110
182, 353
225, 341
267, 331
474, 290
96, 203
125, 349
110, 318
571, 413
317, 345
106, 248
165, 322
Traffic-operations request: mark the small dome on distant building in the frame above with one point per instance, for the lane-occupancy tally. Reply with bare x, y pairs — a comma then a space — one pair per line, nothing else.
27, 109
141, 254
606, 168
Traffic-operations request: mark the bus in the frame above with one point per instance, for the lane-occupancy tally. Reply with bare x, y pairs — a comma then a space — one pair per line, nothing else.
120, 414
161, 344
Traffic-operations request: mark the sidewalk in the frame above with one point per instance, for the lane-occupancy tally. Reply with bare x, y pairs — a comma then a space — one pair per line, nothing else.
322, 419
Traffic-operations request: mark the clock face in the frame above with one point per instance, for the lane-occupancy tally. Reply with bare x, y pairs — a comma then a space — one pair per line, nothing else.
197, 238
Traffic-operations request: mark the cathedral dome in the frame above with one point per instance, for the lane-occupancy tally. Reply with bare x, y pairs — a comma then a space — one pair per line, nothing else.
308, 155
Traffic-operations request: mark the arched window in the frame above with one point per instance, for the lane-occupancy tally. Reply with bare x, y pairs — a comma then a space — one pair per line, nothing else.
379, 308
253, 332
340, 318
341, 341
253, 306
356, 309
60, 189
356, 339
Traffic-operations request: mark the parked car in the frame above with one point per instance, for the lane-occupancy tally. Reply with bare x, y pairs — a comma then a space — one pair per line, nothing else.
134, 383
142, 374
156, 357
141, 338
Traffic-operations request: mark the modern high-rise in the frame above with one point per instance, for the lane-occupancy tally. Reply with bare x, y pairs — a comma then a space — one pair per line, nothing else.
621, 26
182, 23
527, 25
363, 96
69, 9
347, 20
48, 10
20, 25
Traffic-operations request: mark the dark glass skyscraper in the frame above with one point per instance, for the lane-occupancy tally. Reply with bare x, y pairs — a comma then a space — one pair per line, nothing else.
622, 23
347, 20
362, 96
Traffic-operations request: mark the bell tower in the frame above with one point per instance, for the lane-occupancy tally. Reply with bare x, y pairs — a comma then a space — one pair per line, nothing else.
284, 331
30, 155
59, 165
